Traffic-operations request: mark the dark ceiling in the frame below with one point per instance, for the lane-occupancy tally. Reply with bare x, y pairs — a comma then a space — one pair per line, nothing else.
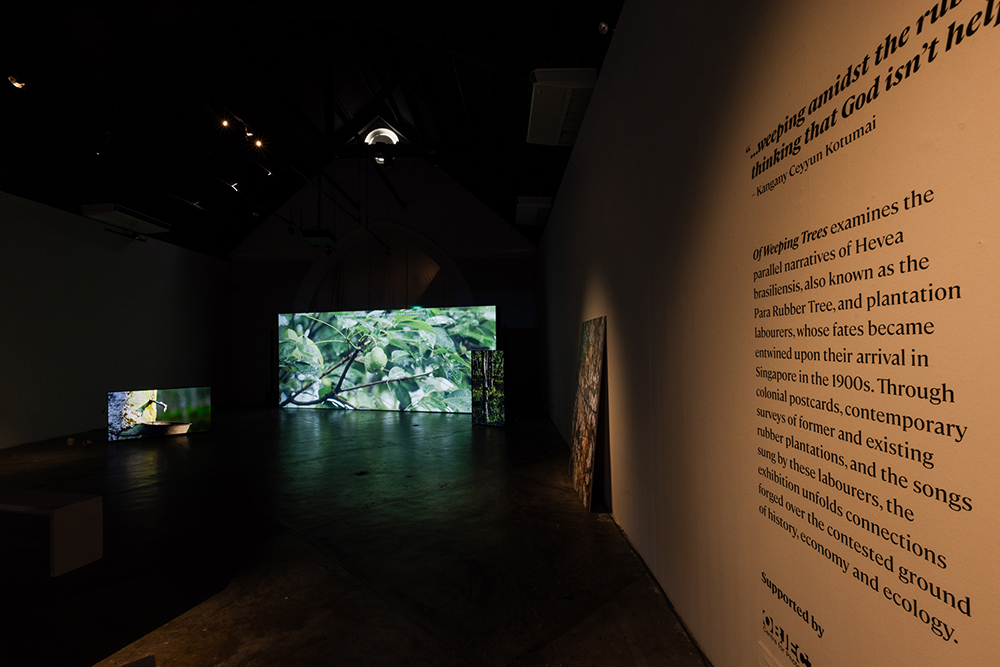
124, 102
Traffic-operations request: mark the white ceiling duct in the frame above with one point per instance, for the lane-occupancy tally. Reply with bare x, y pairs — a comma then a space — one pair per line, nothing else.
533, 210
559, 99
123, 218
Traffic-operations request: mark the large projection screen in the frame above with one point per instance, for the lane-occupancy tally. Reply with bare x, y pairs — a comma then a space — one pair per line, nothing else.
407, 360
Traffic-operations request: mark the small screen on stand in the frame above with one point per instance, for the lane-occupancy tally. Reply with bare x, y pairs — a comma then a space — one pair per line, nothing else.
143, 413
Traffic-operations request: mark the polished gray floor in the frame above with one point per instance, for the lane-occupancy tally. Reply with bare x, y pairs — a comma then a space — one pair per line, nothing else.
331, 538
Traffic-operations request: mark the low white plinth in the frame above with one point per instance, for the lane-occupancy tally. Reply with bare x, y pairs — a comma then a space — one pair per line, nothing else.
76, 524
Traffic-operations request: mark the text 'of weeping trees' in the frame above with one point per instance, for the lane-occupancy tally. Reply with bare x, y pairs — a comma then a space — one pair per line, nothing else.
588, 394
488, 387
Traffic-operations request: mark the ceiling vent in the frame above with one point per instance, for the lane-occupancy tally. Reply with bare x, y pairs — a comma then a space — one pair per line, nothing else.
321, 238
559, 99
124, 218
533, 210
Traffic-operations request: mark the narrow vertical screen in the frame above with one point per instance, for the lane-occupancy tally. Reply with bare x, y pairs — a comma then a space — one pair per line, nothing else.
417, 359
487, 388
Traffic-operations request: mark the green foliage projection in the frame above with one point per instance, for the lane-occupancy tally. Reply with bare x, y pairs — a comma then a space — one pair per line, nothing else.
383, 359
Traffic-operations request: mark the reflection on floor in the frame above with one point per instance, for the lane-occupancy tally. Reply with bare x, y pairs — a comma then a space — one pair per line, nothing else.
330, 538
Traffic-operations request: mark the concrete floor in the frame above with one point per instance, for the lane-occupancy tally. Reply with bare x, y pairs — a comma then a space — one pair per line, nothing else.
330, 538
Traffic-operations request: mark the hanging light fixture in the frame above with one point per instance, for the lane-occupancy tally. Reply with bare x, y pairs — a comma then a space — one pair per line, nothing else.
382, 135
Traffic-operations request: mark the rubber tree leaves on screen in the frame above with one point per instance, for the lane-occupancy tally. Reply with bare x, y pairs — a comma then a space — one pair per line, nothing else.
397, 360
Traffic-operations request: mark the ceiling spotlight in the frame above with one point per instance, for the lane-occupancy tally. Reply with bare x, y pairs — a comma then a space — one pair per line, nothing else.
225, 123
107, 138
15, 82
258, 144
195, 204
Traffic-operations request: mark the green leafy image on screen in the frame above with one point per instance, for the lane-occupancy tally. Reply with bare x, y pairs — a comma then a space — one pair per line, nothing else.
143, 413
415, 359
487, 388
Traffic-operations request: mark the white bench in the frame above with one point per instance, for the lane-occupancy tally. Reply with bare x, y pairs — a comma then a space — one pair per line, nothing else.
76, 524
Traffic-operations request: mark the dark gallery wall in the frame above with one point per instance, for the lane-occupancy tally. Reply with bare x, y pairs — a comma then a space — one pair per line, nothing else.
796, 519
85, 311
